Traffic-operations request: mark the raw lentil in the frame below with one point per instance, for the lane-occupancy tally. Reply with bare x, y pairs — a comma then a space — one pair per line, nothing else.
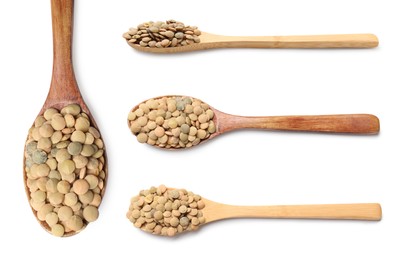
163, 34
180, 122
58, 230
172, 213
61, 147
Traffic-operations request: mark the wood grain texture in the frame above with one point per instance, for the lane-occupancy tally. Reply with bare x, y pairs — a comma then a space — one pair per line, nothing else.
63, 88
214, 211
213, 41
348, 123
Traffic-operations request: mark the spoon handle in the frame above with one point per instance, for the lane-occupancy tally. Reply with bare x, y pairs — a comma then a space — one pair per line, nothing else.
63, 83
350, 123
305, 41
362, 211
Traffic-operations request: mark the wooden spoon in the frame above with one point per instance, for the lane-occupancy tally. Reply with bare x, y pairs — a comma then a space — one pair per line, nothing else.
63, 88
209, 211
212, 41
346, 123
214, 211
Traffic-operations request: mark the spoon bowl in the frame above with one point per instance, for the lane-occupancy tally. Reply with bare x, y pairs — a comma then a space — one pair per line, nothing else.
344, 123
214, 41
63, 88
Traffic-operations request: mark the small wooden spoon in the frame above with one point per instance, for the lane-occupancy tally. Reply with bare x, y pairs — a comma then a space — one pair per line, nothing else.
214, 211
346, 123
63, 88
213, 41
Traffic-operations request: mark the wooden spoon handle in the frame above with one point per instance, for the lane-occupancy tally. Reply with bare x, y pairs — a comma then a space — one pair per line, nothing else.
350, 123
364, 211
63, 82
306, 41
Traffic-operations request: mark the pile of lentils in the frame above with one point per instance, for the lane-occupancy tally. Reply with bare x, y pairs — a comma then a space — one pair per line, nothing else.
167, 212
64, 169
163, 34
172, 122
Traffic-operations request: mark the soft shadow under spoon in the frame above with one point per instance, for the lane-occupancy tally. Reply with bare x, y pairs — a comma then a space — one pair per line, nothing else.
215, 122
88, 179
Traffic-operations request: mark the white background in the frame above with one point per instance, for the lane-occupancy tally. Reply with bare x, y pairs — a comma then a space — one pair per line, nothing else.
242, 168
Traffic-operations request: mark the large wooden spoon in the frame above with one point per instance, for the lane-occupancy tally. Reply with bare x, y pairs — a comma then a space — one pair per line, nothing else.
213, 41
345, 123
63, 89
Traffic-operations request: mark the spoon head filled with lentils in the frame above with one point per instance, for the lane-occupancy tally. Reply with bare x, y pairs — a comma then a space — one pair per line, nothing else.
172, 122
64, 170
166, 211
159, 35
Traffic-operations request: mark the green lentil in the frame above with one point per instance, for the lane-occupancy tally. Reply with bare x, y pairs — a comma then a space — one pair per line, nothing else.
66, 167
87, 197
82, 124
55, 198
38, 196
62, 155
78, 136
41, 183
48, 114
58, 230
89, 139
39, 157
42, 170
51, 185
75, 223
163, 34
58, 122
65, 213
46, 130
75, 148
176, 122
39, 121
69, 120
44, 143
166, 212
142, 137
43, 211
90, 213
88, 150
52, 219
80, 161
70, 199
80, 187
61, 147
63, 187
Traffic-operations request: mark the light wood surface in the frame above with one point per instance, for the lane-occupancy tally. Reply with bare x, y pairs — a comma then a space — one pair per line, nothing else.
63, 88
213, 41
214, 211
